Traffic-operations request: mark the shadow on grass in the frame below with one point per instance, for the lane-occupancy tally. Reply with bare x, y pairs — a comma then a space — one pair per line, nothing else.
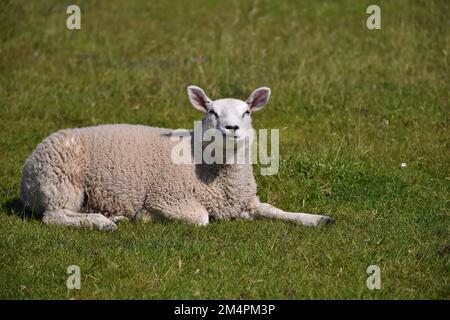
15, 207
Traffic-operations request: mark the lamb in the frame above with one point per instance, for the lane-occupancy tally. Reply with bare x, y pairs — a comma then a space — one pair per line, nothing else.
97, 176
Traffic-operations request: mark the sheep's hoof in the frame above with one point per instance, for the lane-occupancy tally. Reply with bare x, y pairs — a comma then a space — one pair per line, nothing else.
106, 227
325, 220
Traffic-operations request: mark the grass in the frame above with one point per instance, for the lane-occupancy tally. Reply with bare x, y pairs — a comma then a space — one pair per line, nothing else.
351, 105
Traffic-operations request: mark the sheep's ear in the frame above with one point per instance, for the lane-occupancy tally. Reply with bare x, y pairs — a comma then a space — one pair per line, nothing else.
258, 98
199, 99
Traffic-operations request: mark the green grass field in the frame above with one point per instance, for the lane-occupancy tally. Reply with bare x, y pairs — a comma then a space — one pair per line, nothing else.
351, 104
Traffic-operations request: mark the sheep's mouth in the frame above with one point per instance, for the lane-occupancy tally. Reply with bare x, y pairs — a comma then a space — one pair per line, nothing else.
227, 135
233, 137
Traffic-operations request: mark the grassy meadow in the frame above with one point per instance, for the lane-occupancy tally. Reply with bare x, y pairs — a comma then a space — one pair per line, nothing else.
351, 104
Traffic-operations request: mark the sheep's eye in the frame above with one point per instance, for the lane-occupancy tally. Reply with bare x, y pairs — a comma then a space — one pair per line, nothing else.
213, 113
246, 113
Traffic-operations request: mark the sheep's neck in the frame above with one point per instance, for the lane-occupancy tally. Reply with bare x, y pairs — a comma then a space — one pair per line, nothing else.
231, 172
231, 175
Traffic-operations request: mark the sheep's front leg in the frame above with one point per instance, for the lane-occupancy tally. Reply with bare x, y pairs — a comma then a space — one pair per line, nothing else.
268, 211
71, 218
189, 211
118, 219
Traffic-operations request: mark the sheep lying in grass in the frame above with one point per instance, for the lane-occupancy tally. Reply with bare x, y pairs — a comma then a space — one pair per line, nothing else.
98, 175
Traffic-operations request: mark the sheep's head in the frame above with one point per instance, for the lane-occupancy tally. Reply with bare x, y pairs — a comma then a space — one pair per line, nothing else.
232, 117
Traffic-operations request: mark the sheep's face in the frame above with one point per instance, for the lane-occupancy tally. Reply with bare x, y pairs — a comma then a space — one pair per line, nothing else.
231, 117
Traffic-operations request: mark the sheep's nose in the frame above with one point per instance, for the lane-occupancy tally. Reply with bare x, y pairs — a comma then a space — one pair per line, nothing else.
232, 127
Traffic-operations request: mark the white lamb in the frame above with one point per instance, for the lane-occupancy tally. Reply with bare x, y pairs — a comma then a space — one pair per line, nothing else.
98, 175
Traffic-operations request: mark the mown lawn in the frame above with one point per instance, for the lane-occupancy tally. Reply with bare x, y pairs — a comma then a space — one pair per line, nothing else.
351, 104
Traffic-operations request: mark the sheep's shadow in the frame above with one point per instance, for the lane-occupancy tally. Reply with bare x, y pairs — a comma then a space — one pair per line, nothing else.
15, 207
